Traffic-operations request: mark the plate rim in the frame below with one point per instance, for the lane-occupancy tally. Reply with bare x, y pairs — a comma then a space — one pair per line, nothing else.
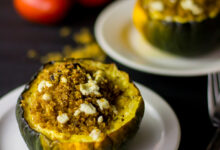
106, 12
9, 104
162, 102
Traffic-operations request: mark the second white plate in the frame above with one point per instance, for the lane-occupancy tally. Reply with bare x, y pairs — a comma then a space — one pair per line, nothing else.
159, 129
118, 37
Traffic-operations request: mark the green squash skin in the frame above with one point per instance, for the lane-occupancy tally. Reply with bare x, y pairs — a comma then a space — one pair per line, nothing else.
30, 136
188, 39
33, 139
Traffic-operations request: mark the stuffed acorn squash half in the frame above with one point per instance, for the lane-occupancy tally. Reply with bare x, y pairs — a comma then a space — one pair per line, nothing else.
185, 27
79, 105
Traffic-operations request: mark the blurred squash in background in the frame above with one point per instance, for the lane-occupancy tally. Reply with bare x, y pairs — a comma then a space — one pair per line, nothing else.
183, 27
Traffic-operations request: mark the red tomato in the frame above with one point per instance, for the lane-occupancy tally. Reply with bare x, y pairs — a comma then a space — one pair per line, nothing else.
92, 3
42, 11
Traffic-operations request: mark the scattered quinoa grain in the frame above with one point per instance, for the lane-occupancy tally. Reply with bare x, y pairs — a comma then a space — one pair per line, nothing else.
65, 31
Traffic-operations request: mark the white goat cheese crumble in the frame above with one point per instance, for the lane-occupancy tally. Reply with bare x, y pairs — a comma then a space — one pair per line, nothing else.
190, 5
103, 103
77, 112
46, 97
62, 118
87, 109
43, 84
89, 88
63, 80
100, 119
95, 134
156, 6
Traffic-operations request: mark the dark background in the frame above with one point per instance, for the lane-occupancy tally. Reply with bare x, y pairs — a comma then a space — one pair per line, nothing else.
187, 96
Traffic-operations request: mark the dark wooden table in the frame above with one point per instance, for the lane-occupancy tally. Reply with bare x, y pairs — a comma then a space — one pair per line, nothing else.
187, 96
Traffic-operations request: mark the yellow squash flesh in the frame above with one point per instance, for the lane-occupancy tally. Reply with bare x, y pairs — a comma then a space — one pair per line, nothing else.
129, 104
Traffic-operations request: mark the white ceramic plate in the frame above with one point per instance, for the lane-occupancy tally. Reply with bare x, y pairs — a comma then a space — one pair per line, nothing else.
159, 129
118, 37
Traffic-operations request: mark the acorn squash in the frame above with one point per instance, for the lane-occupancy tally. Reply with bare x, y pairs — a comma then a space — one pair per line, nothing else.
188, 31
79, 105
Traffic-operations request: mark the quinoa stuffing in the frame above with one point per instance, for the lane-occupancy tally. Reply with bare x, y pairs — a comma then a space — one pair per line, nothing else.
71, 99
181, 10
